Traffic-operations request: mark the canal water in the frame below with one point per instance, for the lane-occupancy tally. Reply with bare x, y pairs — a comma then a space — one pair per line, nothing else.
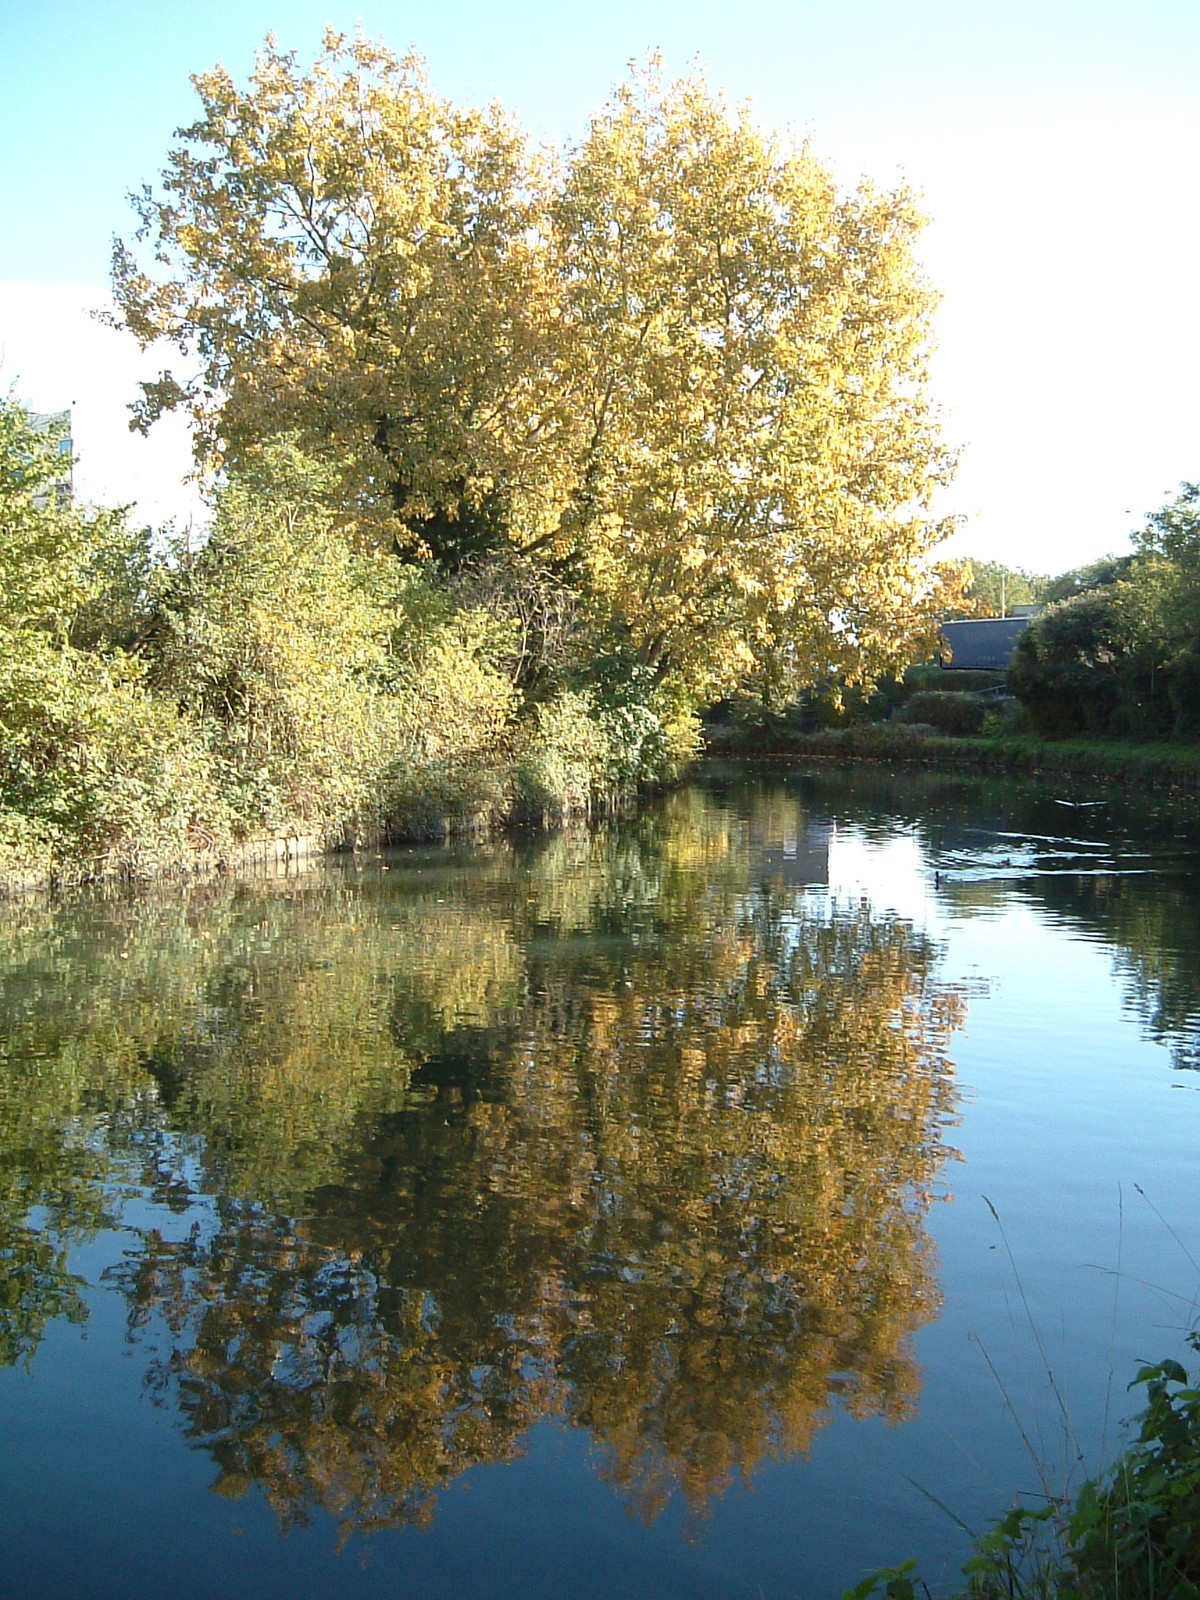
720, 1202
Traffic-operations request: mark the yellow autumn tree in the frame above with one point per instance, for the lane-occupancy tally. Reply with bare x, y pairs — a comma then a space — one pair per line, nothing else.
677, 364
754, 495
351, 259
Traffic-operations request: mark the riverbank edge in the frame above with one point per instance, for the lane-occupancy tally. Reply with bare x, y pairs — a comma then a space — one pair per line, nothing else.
1157, 766
298, 846
288, 850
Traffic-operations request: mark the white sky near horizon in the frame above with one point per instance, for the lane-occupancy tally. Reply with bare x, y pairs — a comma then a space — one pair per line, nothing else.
1055, 146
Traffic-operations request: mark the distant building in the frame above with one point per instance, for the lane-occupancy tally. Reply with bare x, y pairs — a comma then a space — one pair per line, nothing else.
58, 425
985, 643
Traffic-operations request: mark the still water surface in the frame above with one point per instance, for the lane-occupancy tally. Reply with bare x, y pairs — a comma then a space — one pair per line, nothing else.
674, 1209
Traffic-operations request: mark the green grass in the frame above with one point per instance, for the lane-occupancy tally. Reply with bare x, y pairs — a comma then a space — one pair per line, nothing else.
1169, 764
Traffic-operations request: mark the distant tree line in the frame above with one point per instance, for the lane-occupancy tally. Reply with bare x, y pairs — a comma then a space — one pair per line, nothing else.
993, 589
1113, 652
1115, 649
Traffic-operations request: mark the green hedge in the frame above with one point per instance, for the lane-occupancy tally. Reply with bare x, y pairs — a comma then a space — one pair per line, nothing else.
949, 713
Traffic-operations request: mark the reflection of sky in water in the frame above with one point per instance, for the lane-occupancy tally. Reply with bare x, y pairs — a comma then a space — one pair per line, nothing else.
1069, 1107
890, 872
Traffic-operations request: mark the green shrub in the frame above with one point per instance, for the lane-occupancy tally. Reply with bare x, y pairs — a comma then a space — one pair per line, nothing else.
954, 680
1004, 719
876, 741
280, 677
957, 714
579, 750
275, 637
1068, 666
561, 761
96, 773
1136, 1532
444, 728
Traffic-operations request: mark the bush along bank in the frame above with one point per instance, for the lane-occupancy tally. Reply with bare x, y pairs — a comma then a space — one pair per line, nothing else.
169, 707
1104, 682
934, 717
1131, 1534
1119, 658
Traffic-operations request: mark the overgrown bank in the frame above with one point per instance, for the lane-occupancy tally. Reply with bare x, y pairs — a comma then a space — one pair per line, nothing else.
1103, 682
520, 459
165, 706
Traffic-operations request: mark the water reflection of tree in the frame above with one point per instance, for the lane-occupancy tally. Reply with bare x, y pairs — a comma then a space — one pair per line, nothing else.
616, 1138
36, 1283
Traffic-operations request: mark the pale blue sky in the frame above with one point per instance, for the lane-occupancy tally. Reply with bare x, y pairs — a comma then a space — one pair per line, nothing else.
1056, 145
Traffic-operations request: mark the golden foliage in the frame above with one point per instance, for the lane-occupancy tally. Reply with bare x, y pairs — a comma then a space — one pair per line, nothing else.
761, 452
677, 361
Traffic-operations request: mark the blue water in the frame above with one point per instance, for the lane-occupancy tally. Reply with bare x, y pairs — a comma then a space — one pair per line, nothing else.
719, 1203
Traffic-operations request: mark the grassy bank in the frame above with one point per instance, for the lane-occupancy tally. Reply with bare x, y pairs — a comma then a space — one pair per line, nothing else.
1174, 766
1133, 1533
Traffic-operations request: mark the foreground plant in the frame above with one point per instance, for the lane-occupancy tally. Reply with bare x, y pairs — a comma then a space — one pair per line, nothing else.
1131, 1534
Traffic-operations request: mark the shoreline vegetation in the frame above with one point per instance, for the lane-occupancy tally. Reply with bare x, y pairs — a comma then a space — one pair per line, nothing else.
1130, 1533
474, 804
168, 707
1158, 765
515, 466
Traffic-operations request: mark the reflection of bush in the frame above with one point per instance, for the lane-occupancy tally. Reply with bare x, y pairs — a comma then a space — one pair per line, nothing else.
625, 1142
36, 1284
